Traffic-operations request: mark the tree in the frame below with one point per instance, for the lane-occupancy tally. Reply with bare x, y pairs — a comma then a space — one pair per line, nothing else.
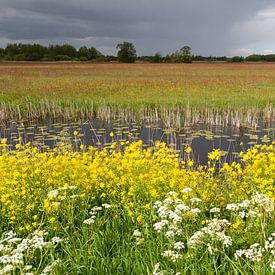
185, 50
126, 53
157, 58
236, 59
184, 55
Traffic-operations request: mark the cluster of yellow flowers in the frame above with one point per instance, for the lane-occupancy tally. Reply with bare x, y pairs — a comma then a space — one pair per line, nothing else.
35, 184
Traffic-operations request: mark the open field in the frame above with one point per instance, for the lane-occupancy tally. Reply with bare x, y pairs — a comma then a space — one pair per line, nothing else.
175, 93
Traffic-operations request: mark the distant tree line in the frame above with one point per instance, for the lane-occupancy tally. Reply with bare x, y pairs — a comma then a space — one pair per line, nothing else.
37, 52
126, 53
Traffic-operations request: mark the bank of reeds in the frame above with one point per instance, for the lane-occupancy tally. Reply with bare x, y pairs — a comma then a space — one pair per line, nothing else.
176, 94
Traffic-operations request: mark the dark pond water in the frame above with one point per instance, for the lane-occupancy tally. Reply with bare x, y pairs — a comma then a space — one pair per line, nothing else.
202, 138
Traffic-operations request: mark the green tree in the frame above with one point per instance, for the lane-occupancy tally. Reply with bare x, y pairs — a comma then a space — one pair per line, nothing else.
157, 58
184, 55
126, 52
236, 59
186, 51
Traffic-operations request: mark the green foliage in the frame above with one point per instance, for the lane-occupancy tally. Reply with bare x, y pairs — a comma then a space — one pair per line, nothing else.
182, 56
157, 58
126, 52
261, 58
236, 59
65, 50
85, 53
36, 52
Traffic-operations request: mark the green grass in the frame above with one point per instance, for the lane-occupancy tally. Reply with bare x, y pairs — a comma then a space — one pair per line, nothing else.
189, 92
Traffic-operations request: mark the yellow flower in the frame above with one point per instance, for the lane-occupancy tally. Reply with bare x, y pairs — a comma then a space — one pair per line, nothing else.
52, 220
17, 146
214, 155
188, 150
140, 218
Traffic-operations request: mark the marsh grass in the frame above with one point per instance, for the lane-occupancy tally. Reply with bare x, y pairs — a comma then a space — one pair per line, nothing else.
176, 94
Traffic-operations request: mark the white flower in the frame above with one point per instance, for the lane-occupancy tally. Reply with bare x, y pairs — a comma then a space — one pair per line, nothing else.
170, 234
174, 217
157, 204
244, 204
179, 245
7, 269
74, 196
263, 201
195, 200
89, 221
27, 267
196, 239
14, 240
56, 240
159, 225
137, 233
53, 194
50, 267
168, 201
242, 214
232, 207
210, 249
186, 190
156, 269
106, 205
182, 207
173, 255
215, 210
195, 211
172, 194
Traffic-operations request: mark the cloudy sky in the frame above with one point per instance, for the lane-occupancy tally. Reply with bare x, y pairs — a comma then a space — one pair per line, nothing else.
210, 27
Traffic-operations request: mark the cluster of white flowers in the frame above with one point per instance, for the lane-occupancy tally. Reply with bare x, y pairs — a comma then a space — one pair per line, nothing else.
52, 194
58, 193
254, 253
186, 190
94, 212
172, 254
211, 234
138, 237
171, 211
13, 250
258, 253
255, 207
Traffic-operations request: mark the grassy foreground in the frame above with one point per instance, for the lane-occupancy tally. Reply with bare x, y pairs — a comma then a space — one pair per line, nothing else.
214, 93
137, 212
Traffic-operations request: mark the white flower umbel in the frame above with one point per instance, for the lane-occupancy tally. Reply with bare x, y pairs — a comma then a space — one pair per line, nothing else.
15, 251
94, 212
257, 253
172, 255
211, 234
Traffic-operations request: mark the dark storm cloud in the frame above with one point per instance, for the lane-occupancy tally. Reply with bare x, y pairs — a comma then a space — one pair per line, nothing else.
209, 26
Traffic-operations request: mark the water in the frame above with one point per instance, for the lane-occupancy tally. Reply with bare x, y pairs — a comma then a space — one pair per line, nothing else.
202, 138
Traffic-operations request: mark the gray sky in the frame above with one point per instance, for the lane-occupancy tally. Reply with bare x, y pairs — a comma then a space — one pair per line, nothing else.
210, 27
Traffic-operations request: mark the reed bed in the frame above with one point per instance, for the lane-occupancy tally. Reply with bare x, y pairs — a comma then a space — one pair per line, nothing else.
177, 94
